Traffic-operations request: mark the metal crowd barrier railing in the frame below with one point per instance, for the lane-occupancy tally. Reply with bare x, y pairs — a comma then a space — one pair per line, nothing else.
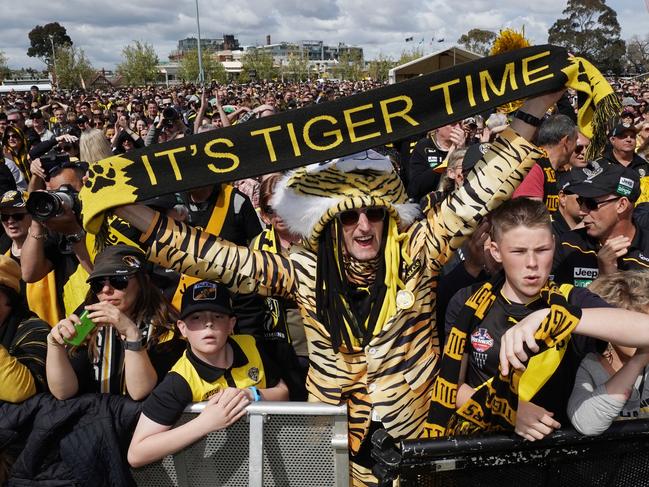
280, 444
618, 458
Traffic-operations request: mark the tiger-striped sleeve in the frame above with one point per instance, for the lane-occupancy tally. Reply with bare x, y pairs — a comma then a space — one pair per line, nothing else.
194, 252
491, 182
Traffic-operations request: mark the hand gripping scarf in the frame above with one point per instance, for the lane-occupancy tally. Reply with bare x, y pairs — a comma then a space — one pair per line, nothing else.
493, 406
351, 125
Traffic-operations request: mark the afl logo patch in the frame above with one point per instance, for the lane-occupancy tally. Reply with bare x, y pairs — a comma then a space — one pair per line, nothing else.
481, 340
253, 373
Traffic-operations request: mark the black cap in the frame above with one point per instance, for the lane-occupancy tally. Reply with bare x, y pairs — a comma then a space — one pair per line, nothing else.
82, 119
620, 128
205, 296
118, 260
597, 180
36, 114
13, 199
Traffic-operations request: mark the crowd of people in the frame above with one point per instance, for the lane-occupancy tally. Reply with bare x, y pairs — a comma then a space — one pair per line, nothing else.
383, 293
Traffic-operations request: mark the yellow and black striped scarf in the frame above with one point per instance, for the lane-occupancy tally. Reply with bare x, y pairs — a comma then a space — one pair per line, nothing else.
493, 406
331, 130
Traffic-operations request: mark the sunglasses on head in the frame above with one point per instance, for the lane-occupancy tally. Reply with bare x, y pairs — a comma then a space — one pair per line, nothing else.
116, 282
591, 204
16, 216
351, 217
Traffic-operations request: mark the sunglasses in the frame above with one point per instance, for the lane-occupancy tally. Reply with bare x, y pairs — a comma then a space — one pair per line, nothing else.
116, 282
268, 210
591, 204
351, 217
580, 148
4, 217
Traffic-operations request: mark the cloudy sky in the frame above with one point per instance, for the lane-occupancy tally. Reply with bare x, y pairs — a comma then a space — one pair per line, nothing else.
103, 28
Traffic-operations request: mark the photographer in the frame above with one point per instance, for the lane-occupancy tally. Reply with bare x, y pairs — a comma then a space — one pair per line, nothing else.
168, 127
56, 241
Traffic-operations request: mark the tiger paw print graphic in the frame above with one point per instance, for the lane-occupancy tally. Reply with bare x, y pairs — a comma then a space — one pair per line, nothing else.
99, 178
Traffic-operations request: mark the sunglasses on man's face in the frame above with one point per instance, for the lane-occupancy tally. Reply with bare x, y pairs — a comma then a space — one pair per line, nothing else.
351, 217
4, 217
116, 282
591, 204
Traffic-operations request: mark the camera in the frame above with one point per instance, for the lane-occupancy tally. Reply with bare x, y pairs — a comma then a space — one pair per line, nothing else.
43, 205
170, 116
53, 160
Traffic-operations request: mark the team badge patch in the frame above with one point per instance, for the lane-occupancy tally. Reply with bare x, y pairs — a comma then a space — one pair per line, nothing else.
204, 291
131, 261
481, 340
253, 373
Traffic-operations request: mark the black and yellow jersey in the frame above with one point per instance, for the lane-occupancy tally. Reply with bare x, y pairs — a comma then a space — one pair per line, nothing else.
575, 257
193, 380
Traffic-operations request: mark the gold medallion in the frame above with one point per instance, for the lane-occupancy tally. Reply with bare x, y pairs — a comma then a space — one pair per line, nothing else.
405, 299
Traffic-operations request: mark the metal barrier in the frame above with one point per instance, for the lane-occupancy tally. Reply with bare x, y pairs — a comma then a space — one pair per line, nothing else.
619, 457
281, 444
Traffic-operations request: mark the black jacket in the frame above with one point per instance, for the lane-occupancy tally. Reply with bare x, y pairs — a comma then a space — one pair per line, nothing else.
79, 442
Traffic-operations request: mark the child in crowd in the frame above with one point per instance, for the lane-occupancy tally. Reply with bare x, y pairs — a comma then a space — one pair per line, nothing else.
523, 243
613, 385
228, 371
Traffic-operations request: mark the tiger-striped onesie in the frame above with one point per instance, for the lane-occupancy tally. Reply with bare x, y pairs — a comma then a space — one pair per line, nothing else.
393, 374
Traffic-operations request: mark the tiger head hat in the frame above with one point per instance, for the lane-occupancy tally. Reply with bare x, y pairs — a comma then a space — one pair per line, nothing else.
308, 198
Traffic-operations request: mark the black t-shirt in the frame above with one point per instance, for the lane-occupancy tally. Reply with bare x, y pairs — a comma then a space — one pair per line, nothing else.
424, 159
637, 163
575, 257
485, 346
169, 399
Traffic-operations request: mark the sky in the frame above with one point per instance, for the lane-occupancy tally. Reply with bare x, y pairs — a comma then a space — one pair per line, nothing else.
103, 28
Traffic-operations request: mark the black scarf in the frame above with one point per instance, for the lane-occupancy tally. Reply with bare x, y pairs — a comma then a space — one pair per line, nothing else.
347, 126
493, 406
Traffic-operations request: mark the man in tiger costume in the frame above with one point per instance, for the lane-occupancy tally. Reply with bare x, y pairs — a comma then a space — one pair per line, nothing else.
364, 277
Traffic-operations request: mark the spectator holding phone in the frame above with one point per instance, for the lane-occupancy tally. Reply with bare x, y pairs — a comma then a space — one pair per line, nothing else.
134, 343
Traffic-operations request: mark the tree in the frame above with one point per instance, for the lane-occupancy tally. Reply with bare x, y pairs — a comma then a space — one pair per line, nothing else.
407, 56
139, 64
257, 64
4, 69
478, 41
212, 69
590, 29
379, 69
637, 53
297, 68
72, 66
350, 65
42, 37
